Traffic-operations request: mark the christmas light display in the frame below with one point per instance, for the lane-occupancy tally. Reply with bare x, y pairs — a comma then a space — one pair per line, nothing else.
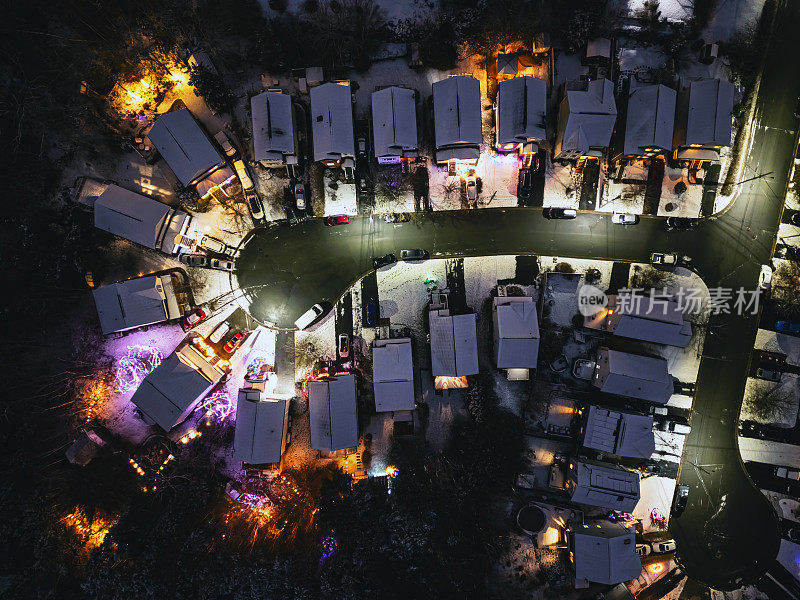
137, 364
218, 406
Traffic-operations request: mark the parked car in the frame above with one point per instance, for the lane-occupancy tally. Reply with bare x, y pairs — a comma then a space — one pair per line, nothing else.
371, 314
337, 220
788, 326
414, 254
225, 143
300, 196
471, 183
793, 534
221, 264
213, 244
681, 222
659, 258
397, 218
525, 184
765, 277
362, 146
583, 368
559, 213
363, 188
193, 318
680, 500
344, 345
643, 550
624, 219
234, 342
254, 205
219, 332
675, 427
787, 473
767, 358
795, 218
659, 410
382, 261
768, 374
308, 317
194, 260
244, 176
663, 547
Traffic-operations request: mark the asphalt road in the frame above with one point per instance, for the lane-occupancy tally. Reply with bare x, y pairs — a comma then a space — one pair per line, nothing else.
728, 533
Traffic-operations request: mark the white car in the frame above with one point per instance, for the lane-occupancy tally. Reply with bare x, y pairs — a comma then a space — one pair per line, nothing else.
308, 317
244, 177
663, 547
219, 332
659, 258
675, 427
624, 219
221, 264
765, 278
643, 550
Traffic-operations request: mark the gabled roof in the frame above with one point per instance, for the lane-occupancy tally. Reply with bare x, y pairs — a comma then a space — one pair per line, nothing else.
332, 410
457, 111
138, 218
646, 318
605, 485
184, 145
454, 344
135, 303
273, 125
517, 327
619, 433
636, 376
605, 552
590, 117
332, 121
710, 109
393, 375
650, 119
394, 121
521, 107
260, 428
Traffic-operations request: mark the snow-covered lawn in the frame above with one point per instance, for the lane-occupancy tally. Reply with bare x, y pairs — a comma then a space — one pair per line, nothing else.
669, 446
787, 387
675, 203
340, 197
404, 295
561, 186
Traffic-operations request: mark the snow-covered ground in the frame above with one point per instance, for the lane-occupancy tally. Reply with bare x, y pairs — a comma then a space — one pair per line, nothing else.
787, 387
340, 197
654, 493
773, 453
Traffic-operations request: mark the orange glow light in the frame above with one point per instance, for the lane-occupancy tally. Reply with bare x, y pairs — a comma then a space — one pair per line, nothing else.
655, 568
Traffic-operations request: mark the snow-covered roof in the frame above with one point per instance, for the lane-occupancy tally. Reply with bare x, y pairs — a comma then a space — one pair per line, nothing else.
138, 218
605, 552
171, 392
604, 485
332, 121
598, 47
135, 303
393, 374
454, 344
619, 433
521, 107
273, 125
457, 118
516, 333
260, 428
332, 410
394, 121
710, 108
650, 120
635, 376
587, 117
507, 64
184, 145
646, 318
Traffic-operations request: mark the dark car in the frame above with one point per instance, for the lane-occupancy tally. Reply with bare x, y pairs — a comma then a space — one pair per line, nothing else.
680, 223
337, 220
559, 213
525, 184
681, 498
795, 218
371, 314
414, 254
194, 260
382, 261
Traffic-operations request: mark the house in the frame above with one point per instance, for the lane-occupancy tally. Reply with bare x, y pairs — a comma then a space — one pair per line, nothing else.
649, 122
172, 391
136, 303
586, 119
184, 146
507, 65
333, 414
603, 552
634, 376
602, 484
394, 124
619, 433
274, 135
393, 375
261, 428
332, 125
457, 120
646, 318
454, 348
140, 219
521, 108
703, 120
516, 332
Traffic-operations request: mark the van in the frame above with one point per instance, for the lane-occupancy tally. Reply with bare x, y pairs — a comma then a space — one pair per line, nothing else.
308, 317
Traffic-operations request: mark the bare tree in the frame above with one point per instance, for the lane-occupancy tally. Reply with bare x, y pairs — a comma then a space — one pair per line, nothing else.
767, 403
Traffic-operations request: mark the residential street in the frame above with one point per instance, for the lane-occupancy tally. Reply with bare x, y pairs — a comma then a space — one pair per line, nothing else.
728, 533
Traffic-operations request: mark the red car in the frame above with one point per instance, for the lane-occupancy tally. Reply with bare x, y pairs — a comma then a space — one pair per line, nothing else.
234, 342
337, 220
193, 318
